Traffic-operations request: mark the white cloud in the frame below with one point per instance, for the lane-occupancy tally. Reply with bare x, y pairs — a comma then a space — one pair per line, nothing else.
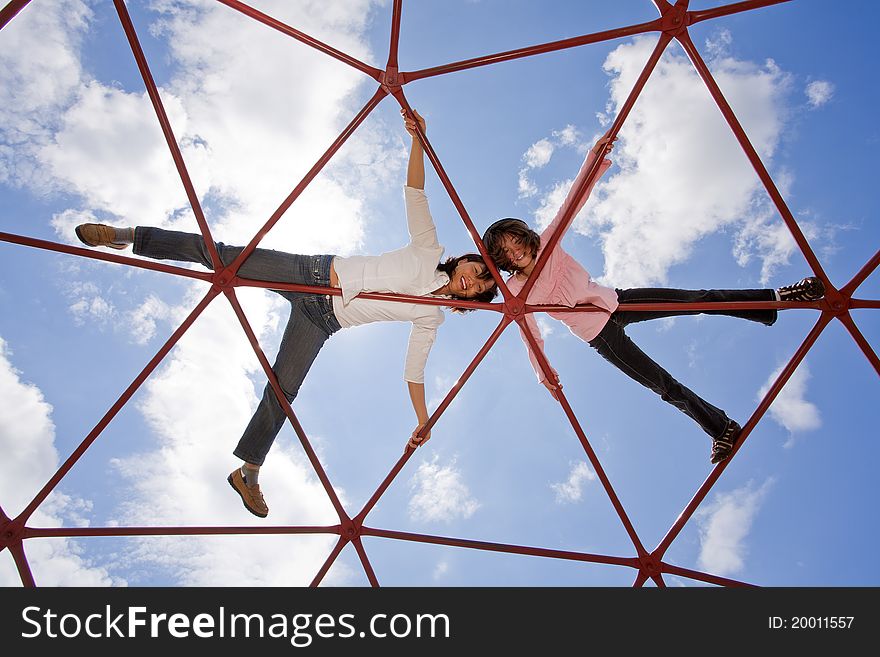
819, 92
252, 110
142, 320
571, 489
439, 493
39, 75
538, 154
544, 325
27, 442
724, 527
440, 570
692, 177
790, 408
197, 405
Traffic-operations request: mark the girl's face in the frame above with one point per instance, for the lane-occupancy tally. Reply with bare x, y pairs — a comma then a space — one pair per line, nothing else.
466, 282
517, 252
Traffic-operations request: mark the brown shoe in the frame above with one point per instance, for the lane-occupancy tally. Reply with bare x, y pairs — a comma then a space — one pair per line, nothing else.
250, 495
98, 235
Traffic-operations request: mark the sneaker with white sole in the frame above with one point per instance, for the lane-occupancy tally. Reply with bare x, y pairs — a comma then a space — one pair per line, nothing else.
723, 445
806, 289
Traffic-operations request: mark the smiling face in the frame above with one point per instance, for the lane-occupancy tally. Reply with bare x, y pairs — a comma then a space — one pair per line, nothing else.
468, 279
517, 254
512, 245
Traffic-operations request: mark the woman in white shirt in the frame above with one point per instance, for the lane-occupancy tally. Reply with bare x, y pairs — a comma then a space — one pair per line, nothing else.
415, 269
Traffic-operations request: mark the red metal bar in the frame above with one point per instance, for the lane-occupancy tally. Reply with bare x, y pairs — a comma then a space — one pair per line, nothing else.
316, 168
850, 288
864, 303
381, 296
658, 580
170, 139
10, 10
275, 24
576, 194
78, 532
395, 34
752, 154
771, 395
101, 255
433, 419
285, 405
21, 563
702, 577
453, 196
329, 562
110, 414
632, 562
726, 10
850, 325
529, 51
365, 562
594, 459
641, 578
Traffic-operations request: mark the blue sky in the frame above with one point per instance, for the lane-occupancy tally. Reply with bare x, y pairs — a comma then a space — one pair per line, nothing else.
253, 110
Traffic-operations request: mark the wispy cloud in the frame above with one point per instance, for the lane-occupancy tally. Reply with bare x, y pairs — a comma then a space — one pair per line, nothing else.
791, 408
571, 490
819, 92
440, 493
27, 442
538, 155
724, 528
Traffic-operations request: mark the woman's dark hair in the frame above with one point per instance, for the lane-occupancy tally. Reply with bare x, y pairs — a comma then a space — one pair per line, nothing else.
448, 268
516, 228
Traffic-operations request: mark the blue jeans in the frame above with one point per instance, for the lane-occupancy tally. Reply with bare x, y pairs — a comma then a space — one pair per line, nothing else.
310, 323
616, 347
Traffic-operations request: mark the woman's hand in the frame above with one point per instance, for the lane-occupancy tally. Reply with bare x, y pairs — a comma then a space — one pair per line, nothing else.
415, 441
410, 123
602, 142
553, 387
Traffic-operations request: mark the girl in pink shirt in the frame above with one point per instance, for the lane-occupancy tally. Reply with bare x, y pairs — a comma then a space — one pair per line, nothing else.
563, 281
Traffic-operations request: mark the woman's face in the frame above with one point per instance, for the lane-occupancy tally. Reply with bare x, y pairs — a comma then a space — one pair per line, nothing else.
466, 282
517, 252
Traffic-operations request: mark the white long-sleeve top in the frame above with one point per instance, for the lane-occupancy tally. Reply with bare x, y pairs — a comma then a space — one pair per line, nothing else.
410, 270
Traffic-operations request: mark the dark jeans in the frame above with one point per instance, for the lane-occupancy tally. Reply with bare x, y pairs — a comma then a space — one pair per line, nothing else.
616, 347
310, 323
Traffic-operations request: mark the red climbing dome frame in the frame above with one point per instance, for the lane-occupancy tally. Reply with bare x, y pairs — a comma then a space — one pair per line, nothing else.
672, 23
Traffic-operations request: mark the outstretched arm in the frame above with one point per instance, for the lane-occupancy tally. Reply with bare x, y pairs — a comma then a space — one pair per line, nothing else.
417, 395
603, 145
415, 170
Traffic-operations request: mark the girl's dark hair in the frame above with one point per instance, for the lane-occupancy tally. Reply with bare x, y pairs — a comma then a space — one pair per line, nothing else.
448, 268
516, 228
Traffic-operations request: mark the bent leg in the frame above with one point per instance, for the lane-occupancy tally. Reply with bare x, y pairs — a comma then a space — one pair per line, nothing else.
615, 346
300, 345
664, 295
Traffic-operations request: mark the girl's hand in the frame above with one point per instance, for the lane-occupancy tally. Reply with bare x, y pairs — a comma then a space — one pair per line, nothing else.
553, 387
602, 141
415, 441
410, 123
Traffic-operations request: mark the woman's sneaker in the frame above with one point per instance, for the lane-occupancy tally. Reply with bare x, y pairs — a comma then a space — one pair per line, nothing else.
723, 445
806, 289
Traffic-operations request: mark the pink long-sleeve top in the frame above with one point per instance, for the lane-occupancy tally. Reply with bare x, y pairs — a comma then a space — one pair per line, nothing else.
563, 281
